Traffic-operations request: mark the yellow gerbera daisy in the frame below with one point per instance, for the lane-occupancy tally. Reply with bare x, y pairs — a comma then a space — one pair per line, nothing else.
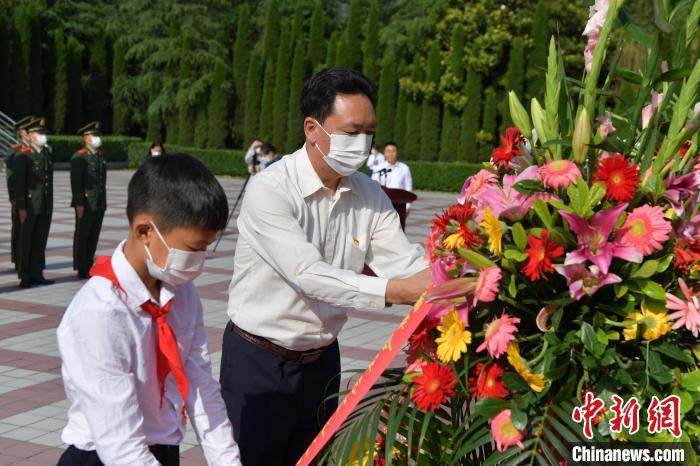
534, 380
653, 324
494, 230
453, 339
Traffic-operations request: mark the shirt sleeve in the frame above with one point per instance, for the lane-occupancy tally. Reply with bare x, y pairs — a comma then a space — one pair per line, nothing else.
267, 222
205, 406
409, 183
390, 254
94, 347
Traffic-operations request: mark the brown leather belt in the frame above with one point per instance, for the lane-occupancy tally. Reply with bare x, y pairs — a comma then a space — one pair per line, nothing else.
302, 357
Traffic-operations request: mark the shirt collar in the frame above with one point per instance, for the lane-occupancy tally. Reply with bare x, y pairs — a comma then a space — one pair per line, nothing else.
131, 283
308, 179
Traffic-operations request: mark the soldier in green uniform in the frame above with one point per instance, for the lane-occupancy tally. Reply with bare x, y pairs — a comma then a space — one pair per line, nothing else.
88, 181
23, 144
33, 187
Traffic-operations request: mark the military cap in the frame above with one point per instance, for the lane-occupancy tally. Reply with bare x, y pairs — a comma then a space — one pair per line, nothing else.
37, 125
22, 123
94, 127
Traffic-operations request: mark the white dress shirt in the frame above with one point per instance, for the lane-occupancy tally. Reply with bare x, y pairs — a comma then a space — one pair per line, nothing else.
398, 178
374, 161
301, 251
109, 368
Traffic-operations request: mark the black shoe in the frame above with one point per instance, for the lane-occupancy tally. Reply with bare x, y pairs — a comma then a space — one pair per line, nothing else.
25, 284
43, 281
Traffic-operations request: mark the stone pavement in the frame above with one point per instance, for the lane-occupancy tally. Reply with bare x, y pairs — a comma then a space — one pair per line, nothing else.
32, 399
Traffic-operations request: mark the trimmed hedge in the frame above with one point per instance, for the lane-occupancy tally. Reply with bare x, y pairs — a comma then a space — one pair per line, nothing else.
116, 147
441, 176
229, 162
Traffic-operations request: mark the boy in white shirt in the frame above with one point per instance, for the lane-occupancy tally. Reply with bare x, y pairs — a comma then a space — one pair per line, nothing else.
132, 341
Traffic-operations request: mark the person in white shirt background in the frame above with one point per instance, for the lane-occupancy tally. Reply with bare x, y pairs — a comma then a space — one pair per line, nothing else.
394, 174
375, 160
251, 156
307, 226
132, 341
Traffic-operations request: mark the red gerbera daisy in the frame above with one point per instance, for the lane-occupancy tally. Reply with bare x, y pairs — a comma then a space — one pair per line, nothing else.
457, 212
510, 147
487, 382
541, 251
420, 341
687, 255
621, 177
433, 386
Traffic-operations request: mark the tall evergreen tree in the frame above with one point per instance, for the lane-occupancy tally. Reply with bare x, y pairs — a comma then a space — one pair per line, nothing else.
154, 122
295, 135
370, 46
186, 110
266, 110
344, 54
400, 114
120, 110
450, 134
74, 109
19, 97
98, 90
5, 48
272, 32
471, 117
241, 54
412, 135
281, 95
317, 36
537, 60
251, 118
353, 35
514, 77
33, 54
386, 105
218, 108
332, 52
430, 118
489, 124
60, 93
297, 22
201, 132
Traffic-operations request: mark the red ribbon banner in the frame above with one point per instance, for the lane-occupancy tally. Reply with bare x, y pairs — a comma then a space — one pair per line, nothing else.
375, 369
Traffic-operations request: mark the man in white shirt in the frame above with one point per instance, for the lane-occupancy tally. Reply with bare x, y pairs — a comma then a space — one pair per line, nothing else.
308, 224
375, 160
133, 344
394, 174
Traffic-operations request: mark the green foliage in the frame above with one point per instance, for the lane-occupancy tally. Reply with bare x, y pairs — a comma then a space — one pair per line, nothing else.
218, 117
297, 22
456, 67
266, 110
19, 97
471, 114
370, 46
514, 77
219, 161
487, 136
116, 147
272, 32
430, 118
386, 104
252, 98
317, 33
60, 93
332, 51
239, 67
344, 53
120, 112
449, 135
440, 176
412, 137
74, 108
352, 56
99, 85
400, 119
154, 125
281, 92
294, 133
537, 59
201, 123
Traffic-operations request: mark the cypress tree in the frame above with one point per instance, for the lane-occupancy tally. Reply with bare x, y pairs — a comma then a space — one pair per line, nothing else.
272, 31
430, 119
370, 46
186, 112
281, 95
295, 134
352, 55
201, 122
154, 123
98, 90
218, 108
239, 67
60, 93
298, 22
74, 108
471, 115
344, 54
413, 116
514, 77
120, 111
489, 124
5, 48
450, 135
317, 36
400, 114
251, 118
332, 50
457, 53
266, 110
19, 97
36, 68
537, 61
171, 126
386, 104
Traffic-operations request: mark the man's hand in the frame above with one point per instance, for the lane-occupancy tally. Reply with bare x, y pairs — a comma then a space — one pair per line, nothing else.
22, 215
80, 211
408, 290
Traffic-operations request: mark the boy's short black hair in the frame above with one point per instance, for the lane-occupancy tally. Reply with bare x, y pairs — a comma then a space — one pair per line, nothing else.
391, 143
319, 91
180, 192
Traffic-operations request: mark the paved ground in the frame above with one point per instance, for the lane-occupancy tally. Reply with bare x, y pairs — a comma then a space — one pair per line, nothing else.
32, 399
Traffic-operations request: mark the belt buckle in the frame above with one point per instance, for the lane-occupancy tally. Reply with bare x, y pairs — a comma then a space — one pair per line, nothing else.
308, 358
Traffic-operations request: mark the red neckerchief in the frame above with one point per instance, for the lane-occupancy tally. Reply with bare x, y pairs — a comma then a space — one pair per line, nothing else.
167, 350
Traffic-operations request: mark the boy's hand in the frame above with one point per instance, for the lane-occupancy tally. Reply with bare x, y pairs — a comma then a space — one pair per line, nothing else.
408, 290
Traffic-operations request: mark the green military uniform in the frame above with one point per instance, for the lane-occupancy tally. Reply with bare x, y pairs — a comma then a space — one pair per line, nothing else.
88, 180
33, 180
9, 174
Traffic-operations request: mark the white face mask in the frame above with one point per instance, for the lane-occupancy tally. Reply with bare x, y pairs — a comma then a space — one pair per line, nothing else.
41, 140
155, 153
348, 153
180, 266
96, 141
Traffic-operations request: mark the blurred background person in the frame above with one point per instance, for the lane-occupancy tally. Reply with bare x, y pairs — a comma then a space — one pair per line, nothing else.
267, 156
376, 159
392, 173
156, 149
251, 156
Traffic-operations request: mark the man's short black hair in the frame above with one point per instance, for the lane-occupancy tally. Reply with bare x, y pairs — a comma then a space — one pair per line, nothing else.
391, 143
180, 192
319, 91
267, 148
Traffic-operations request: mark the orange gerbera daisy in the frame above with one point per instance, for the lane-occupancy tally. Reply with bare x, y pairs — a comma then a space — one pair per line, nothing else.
510, 147
487, 381
540, 253
621, 177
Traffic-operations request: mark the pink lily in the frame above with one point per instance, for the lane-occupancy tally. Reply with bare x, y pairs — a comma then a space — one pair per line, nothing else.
585, 281
598, 12
648, 111
680, 189
476, 184
593, 238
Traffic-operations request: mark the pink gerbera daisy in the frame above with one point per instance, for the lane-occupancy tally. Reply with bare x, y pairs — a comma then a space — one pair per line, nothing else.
504, 431
559, 173
687, 312
476, 184
645, 229
487, 284
498, 334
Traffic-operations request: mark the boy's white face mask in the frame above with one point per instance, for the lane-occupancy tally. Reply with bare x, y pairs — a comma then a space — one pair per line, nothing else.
180, 266
347, 153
